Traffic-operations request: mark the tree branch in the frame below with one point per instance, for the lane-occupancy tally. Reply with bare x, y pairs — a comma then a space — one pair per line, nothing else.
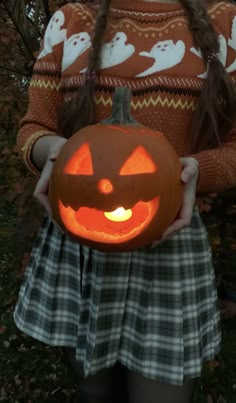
11, 16
47, 10
15, 71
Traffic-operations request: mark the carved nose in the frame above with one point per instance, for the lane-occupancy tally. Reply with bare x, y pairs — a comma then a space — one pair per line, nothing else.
105, 186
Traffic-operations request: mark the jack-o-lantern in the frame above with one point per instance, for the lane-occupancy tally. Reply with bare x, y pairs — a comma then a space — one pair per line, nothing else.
116, 185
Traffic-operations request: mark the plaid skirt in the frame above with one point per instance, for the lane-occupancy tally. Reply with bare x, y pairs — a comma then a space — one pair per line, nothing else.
153, 310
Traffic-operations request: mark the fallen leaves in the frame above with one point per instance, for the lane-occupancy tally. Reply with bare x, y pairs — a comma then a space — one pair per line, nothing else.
3, 394
205, 203
209, 399
228, 309
212, 365
3, 329
24, 262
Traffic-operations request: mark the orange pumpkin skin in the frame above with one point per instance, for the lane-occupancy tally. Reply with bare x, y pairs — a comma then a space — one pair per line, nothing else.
105, 167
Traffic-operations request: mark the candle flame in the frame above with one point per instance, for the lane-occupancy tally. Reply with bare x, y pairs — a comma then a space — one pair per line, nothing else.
119, 215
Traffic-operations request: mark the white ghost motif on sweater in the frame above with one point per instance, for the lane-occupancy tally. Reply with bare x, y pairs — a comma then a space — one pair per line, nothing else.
74, 47
116, 51
232, 44
222, 55
167, 54
54, 34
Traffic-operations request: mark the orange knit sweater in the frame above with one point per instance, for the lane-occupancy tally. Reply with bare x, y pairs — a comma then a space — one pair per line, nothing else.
147, 48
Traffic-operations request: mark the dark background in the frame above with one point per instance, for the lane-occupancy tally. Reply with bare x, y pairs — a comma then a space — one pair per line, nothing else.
31, 372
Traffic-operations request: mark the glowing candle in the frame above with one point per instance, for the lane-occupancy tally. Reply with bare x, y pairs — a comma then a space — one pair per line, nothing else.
119, 215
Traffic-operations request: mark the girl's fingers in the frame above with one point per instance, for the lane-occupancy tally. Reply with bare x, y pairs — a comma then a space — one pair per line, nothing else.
43, 199
185, 215
190, 169
189, 176
41, 189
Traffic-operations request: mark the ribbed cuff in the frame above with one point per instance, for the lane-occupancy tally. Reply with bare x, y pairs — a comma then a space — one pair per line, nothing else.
207, 173
27, 148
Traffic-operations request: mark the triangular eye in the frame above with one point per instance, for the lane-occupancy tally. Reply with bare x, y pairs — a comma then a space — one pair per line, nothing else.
139, 162
80, 163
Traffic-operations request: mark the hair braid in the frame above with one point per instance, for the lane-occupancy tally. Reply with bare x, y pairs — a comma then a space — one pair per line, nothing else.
80, 110
215, 114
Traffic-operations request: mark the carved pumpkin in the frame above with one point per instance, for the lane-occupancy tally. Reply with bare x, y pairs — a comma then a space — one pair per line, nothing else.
116, 186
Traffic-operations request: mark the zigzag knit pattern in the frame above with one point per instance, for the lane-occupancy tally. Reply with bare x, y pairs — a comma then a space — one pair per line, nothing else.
151, 101
42, 83
147, 48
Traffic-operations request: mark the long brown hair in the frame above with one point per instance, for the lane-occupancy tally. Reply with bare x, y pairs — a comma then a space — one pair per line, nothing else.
216, 109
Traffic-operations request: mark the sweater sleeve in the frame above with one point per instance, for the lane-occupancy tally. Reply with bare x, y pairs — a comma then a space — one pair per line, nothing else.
45, 97
218, 166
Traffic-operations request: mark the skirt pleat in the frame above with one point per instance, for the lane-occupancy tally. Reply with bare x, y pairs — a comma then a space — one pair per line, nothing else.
154, 310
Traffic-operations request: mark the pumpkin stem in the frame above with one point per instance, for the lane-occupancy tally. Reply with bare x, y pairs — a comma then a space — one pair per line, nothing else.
121, 109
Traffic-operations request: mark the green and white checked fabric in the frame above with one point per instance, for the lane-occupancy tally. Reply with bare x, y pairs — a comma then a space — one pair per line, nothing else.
153, 310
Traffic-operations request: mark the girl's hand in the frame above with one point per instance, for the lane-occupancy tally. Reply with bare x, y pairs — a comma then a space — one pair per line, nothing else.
189, 177
41, 189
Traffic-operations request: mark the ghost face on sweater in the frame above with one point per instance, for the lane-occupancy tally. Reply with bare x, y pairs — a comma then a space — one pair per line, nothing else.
166, 54
163, 54
117, 51
74, 47
54, 34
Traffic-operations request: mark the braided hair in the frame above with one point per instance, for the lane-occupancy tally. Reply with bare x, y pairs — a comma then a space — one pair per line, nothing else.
80, 110
215, 113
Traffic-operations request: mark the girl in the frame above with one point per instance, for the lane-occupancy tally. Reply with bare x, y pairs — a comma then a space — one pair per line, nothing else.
135, 326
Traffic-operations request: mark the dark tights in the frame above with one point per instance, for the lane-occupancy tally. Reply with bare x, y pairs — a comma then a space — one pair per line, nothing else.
119, 385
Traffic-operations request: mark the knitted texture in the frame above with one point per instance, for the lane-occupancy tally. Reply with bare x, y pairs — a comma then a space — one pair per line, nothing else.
148, 48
